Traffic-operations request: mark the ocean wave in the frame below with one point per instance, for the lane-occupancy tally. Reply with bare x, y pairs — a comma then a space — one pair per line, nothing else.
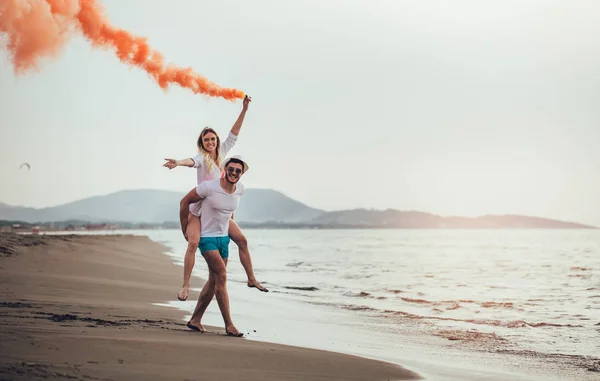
471, 336
455, 304
579, 268
419, 301
395, 291
497, 304
358, 276
583, 276
491, 322
353, 307
350, 307
300, 288
363, 294
590, 363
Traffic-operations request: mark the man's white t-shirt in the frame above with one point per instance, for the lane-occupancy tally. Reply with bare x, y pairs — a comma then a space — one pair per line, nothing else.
203, 173
217, 207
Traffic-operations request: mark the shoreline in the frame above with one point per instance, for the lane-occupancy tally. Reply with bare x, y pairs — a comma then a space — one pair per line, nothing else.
87, 306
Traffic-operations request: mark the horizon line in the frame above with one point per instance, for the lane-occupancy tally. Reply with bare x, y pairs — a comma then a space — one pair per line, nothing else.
505, 214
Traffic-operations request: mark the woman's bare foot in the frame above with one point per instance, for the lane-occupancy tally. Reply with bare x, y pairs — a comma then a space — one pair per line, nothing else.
232, 331
256, 284
196, 327
183, 294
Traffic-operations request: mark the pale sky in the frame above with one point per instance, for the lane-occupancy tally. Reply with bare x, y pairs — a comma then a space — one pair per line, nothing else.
457, 107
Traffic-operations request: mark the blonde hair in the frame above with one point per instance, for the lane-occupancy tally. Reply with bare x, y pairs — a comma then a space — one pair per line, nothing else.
210, 163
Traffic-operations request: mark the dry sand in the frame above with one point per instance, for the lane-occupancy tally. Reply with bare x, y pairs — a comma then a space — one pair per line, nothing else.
80, 308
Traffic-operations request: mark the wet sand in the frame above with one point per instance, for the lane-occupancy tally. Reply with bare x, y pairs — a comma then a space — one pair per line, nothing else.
80, 308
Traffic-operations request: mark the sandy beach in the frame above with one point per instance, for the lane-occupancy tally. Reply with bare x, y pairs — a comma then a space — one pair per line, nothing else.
81, 308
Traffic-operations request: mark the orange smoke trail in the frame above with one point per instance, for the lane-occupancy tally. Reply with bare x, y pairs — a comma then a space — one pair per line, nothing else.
34, 29
38, 28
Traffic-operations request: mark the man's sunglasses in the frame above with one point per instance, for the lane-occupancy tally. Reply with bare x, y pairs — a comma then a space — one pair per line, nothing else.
237, 171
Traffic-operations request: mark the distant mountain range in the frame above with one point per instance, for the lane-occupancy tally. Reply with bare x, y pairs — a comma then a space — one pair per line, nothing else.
157, 206
392, 218
261, 207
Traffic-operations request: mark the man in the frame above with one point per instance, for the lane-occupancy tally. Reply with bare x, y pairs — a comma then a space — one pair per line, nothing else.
221, 198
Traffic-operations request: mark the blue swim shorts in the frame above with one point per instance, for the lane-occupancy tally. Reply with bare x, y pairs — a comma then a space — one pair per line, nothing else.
215, 243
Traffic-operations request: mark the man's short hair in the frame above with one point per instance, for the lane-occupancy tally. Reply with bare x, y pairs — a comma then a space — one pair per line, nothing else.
234, 160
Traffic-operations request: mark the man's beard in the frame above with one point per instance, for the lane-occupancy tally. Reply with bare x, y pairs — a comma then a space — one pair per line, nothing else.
230, 182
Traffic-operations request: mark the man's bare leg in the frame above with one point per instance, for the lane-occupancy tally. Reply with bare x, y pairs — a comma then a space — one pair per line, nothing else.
217, 266
236, 235
193, 237
206, 296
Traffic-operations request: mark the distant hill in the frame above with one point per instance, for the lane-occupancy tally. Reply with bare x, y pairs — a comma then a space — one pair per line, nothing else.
157, 206
261, 207
381, 218
392, 218
143, 205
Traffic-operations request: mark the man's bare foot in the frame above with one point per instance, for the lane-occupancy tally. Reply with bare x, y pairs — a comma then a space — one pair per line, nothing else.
256, 284
196, 327
183, 294
232, 331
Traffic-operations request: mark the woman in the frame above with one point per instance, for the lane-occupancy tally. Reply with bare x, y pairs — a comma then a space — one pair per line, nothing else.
207, 164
